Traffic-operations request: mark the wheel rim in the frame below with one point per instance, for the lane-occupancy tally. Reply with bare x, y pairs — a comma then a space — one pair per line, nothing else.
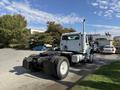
63, 68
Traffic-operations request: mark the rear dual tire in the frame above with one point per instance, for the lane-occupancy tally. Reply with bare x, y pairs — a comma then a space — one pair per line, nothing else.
58, 66
61, 67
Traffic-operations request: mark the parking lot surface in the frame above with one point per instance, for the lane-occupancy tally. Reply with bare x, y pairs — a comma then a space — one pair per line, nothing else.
14, 77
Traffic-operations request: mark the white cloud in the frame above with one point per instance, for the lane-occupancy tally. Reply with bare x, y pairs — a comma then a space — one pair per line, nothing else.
105, 26
103, 7
118, 15
114, 30
110, 8
103, 2
2, 4
100, 13
35, 15
108, 13
94, 4
6, 1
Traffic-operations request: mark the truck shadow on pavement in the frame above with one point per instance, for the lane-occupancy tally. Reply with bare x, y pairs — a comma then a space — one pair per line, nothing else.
19, 70
58, 85
82, 70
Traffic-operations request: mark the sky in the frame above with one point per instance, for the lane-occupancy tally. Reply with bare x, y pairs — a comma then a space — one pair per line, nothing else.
100, 15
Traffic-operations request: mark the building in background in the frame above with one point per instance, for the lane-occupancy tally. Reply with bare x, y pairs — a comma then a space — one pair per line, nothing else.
117, 38
101, 40
33, 31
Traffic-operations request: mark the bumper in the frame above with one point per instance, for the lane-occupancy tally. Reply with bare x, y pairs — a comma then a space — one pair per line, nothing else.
111, 52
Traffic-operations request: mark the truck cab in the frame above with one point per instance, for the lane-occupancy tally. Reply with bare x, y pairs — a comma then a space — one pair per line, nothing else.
75, 42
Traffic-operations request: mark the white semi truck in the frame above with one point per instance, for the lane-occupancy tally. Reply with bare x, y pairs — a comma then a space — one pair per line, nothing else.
74, 48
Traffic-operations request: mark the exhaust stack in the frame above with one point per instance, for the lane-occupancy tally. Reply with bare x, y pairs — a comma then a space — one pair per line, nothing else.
83, 36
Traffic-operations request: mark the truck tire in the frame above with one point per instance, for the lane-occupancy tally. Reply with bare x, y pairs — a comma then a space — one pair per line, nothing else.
61, 67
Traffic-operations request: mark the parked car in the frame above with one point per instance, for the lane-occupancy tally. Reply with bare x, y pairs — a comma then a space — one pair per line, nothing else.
109, 49
42, 47
39, 48
117, 49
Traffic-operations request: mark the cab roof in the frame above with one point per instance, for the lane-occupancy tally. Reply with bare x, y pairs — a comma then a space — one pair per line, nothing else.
72, 33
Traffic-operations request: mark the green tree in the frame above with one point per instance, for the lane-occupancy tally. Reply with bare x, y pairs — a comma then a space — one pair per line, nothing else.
13, 22
56, 31
13, 29
51, 36
116, 42
5, 36
20, 36
53, 27
67, 30
40, 39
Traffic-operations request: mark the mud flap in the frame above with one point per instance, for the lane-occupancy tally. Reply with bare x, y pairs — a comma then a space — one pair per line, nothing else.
26, 63
48, 67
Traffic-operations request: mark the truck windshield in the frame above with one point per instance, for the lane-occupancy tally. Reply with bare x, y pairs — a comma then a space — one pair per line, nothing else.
70, 37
